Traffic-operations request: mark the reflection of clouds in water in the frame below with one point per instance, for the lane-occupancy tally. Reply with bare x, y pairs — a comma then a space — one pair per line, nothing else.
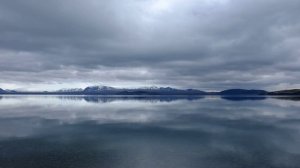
131, 110
23, 127
286, 102
179, 114
239, 144
209, 132
127, 109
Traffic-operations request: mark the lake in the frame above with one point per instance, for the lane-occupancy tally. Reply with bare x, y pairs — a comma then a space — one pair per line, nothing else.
149, 132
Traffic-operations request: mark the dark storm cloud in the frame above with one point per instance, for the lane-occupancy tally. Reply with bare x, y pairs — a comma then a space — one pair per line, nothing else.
209, 44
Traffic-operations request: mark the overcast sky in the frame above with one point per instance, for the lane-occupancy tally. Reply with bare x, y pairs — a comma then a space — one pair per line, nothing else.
204, 44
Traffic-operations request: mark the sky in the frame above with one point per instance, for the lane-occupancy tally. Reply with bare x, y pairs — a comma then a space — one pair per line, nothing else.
202, 44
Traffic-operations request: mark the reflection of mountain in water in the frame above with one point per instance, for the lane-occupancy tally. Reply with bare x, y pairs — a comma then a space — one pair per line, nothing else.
154, 99
243, 98
293, 98
151, 99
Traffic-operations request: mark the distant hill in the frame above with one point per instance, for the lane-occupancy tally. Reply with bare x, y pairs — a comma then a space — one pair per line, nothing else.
2, 91
286, 92
243, 92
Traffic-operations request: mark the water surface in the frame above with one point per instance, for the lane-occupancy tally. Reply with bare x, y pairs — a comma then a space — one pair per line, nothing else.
149, 132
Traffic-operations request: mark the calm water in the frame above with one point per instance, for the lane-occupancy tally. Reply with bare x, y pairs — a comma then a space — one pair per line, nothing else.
107, 132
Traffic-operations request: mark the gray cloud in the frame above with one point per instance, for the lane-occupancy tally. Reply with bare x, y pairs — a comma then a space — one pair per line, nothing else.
205, 44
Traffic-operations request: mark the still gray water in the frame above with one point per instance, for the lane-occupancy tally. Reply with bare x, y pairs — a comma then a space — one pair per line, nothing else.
149, 132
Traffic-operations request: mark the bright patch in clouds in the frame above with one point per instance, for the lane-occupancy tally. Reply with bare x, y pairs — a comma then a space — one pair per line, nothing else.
158, 6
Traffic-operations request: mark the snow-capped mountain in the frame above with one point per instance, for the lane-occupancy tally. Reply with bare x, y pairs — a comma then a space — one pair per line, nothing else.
2, 91
149, 88
153, 90
71, 90
98, 88
7, 91
107, 90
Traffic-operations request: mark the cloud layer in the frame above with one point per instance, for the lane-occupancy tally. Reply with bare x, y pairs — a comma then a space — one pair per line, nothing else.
205, 44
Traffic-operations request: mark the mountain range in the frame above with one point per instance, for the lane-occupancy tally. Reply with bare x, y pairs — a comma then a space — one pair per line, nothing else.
107, 90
